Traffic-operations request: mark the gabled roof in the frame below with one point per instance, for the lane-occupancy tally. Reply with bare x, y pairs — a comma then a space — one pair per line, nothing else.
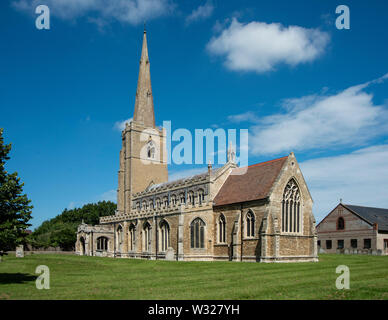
371, 215
254, 184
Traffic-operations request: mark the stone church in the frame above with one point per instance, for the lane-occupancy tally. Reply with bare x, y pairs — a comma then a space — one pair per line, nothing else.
262, 212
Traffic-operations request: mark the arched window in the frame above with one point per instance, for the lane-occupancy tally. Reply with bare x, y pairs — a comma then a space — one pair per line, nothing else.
197, 233
147, 237
221, 229
119, 238
201, 196
191, 197
165, 202
132, 237
291, 209
151, 203
182, 198
173, 200
340, 223
145, 205
158, 203
164, 236
250, 223
102, 243
151, 150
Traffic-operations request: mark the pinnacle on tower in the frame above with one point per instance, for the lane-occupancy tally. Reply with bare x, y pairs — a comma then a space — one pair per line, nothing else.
231, 153
144, 105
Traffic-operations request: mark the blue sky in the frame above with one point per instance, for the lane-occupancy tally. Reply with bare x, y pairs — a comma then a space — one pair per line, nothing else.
278, 68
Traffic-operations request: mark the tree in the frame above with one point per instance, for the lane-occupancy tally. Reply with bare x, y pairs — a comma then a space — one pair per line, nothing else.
60, 231
15, 208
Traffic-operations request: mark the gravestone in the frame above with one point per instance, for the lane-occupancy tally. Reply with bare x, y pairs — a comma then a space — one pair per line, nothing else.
170, 254
19, 252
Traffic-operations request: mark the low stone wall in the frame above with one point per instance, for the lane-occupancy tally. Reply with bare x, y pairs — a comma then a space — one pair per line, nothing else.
26, 253
356, 251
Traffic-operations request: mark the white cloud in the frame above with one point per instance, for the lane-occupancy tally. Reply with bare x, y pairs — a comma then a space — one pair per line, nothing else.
75, 204
200, 13
259, 46
120, 125
71, 205
110, 195
347, 118
127, 11
248, 116
359, 178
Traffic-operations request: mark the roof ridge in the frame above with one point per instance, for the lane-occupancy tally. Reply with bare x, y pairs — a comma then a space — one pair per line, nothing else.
356, 205
263, 163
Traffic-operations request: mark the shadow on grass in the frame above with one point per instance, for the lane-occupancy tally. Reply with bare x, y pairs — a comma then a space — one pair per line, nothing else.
6, 278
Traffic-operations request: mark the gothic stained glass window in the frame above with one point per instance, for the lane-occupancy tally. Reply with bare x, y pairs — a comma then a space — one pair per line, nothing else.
197, 233
291, 208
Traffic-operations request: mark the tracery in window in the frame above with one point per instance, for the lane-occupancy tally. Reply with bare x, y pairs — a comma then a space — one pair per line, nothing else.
197, 234
250, 224
151, 150
291, 209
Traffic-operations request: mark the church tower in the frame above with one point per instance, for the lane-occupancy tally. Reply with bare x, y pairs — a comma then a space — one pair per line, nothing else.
143, 155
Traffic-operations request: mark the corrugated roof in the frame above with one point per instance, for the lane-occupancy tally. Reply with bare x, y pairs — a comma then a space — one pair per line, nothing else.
254, 184
372, 215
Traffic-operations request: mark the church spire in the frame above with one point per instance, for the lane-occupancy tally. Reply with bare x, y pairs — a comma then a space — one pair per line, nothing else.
144, 105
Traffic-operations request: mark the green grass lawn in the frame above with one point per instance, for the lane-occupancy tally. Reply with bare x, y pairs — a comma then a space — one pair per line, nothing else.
75, 277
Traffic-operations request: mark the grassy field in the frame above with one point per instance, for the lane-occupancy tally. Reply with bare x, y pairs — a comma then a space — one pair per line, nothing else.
75, 277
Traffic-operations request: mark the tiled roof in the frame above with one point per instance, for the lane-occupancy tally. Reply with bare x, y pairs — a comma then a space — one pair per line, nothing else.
254, 184
371, 215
